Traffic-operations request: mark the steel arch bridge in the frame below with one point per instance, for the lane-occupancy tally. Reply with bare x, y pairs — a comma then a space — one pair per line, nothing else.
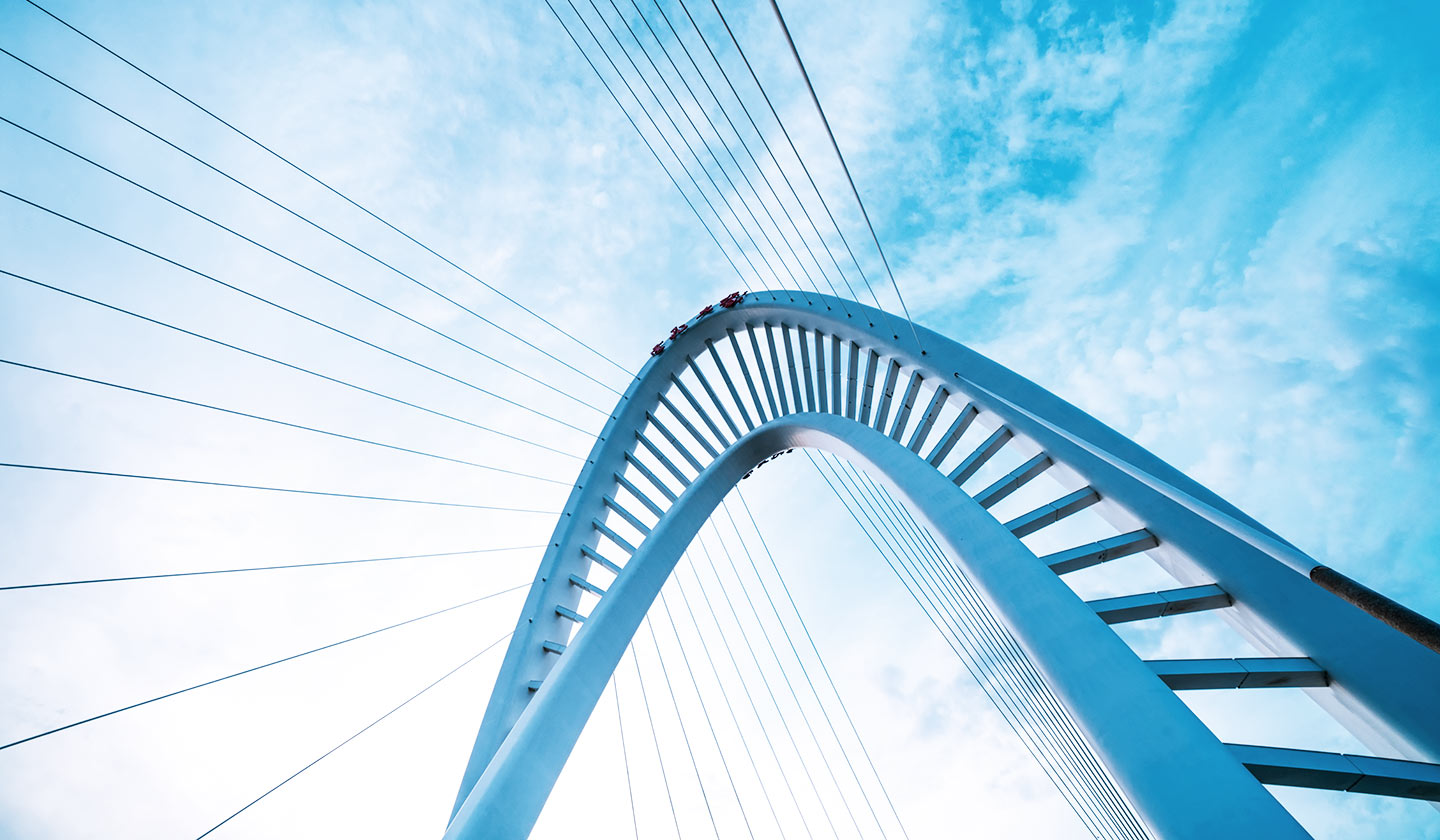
767, 372
771, 371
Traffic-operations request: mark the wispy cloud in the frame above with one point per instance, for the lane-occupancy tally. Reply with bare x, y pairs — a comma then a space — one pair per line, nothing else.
1214, 225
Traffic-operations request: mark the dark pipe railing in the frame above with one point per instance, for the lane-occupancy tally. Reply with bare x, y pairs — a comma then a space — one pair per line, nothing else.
1402, 618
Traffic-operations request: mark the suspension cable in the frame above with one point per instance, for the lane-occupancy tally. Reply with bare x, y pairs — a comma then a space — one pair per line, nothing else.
646, 111
261, 299
347, 199
367, 728
746, 146
294, 367
789, 140
785, 176
705, 712
291, 260
735, 190
824, 669
729, 706
441, 554
789, 684
988, 649
1081, 754
684, 736
255, 668
196, 481
848, 177
804, 672
625, 754
308, 221
738, 273
745, 686
769, 689
1069, 741
659, 753
970, 657
287, 424
1085, 784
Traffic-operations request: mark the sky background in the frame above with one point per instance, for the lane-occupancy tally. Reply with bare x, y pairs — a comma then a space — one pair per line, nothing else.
1215, 226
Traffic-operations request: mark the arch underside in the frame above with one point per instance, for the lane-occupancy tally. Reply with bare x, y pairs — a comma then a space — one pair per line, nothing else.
744, 383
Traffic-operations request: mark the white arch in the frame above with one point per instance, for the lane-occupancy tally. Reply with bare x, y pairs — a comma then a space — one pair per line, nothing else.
1134, 723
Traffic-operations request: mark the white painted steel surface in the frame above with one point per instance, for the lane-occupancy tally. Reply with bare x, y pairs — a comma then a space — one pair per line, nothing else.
1383, 684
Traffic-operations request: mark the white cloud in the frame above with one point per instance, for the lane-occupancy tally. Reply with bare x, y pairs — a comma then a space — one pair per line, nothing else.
1162, 220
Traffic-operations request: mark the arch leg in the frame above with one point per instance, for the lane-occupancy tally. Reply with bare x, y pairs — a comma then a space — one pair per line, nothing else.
1182, 780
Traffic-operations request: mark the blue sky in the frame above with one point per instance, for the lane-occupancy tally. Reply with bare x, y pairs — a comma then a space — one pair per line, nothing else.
1216, 226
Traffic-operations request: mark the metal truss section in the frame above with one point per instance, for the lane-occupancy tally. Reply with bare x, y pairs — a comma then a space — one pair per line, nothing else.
1336, 771
1157, 604
747, 381
1268, 672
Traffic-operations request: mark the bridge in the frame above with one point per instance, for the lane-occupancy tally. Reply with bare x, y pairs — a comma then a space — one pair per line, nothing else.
985, 495
760, 376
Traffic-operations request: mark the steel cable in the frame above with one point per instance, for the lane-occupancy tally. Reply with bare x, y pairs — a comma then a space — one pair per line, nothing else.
785, 176
298, 215
1047, 723
745, 686
704, 112
1084, 755
746, 146
684, 735
705, 712
699, 135
255, 668
204, 572
970, 658
844, 166
789, 684
769, 689
237, 413
966, 613
824, 669
196, 481
706, 225
367, 728
1041, 706
317, 322
323, 184
725, 696
625, 754
273, 360
655, 734
789, 140
646, 111
805, 672
102, 167
971, 613
1070, 741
